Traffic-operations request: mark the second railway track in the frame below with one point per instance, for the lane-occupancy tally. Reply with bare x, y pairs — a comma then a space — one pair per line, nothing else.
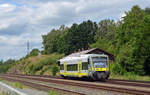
128, 90
110, 81
45, 87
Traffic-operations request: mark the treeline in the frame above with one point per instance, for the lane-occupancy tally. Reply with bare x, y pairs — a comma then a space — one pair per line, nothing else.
4, 66
66, 40
128, 39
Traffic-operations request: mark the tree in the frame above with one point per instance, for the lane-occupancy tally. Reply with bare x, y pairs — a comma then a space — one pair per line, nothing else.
143, 45
1, 62
34, 52
105, 35
6, 65
80, 36
10, 61
55, 40
130, 36
49, 42
106, 27
147, 10
67, 40
54, 70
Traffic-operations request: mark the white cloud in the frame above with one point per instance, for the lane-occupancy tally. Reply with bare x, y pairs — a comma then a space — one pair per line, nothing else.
6, 8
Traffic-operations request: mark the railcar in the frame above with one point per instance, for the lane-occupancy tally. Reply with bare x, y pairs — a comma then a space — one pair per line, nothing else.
91, 66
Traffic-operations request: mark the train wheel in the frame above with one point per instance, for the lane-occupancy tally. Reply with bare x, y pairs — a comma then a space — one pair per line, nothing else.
91, 79
101, 76
64, 77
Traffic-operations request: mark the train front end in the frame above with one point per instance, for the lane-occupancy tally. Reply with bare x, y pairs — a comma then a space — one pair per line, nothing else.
99, 67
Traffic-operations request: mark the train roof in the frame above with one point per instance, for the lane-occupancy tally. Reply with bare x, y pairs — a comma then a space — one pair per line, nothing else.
81, 57
86, 53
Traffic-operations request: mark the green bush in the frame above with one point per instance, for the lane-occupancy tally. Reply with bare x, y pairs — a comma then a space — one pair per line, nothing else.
54, 70
52, 92
116, 69
45, 69
4, 67
42, 65
130, 76
18, 85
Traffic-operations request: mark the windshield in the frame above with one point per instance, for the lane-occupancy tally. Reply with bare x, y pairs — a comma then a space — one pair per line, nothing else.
99, 62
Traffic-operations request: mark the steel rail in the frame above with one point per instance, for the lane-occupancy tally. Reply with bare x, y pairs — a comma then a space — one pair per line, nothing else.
42, 86
129, 83
137, 81
93, 86
110, 81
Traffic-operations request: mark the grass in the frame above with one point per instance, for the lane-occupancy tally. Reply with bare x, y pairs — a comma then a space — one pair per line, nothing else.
6, 93
37, 65
117, 72
18, 85
13, 84
130, 76
53, 92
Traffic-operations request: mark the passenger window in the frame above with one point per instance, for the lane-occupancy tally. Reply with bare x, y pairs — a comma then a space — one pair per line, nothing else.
72, 67
84, 66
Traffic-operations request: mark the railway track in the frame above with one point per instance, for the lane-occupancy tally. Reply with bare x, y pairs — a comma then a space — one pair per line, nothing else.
91, 85
43, 86
130, 83
110, 81
136, 81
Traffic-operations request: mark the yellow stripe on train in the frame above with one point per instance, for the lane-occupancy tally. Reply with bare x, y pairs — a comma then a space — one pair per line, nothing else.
74, 74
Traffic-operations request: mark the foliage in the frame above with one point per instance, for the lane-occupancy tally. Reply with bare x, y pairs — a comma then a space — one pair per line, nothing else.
128, 39
53, 92
4, 66
34, 52
36, 65
133, 35
105, 36
130, 76
46, 62
18, 85
117, 69
54, 70
1, 62
67, 40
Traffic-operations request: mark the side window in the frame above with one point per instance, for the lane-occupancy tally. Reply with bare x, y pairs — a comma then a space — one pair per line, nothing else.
84, 66
62, 67
68, 67
72, 67
75, 67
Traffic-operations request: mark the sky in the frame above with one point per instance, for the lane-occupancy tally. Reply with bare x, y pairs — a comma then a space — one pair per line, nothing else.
27, 20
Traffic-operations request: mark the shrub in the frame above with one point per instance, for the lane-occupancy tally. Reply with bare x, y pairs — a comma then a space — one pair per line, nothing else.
18, 85
130, 76
117, 69
52, 92
54, 70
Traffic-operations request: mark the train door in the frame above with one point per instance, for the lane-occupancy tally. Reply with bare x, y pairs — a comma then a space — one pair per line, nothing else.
79, 69
65, 67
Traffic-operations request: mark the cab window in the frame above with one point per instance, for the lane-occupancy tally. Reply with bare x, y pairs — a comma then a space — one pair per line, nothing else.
62, 67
